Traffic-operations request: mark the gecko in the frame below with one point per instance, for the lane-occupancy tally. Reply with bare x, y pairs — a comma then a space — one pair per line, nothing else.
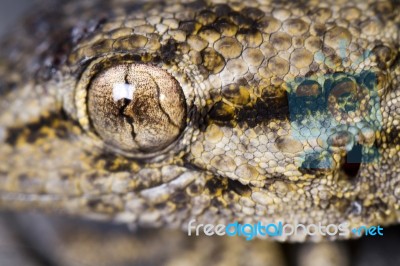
154, 113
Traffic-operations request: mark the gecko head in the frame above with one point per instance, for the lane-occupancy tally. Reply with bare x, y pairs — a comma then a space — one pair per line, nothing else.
217, 112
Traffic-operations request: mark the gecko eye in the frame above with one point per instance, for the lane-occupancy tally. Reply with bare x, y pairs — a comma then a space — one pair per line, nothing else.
136, 107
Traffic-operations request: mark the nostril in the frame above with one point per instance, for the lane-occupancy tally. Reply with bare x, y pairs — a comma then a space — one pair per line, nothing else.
351, 169
352, 162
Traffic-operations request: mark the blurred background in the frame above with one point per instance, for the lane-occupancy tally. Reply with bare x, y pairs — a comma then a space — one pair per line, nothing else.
11, 11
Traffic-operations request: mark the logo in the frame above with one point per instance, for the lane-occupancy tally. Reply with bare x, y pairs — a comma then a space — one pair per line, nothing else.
279, 229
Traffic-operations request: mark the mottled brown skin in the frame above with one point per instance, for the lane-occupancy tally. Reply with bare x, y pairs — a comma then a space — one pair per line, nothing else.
236, 158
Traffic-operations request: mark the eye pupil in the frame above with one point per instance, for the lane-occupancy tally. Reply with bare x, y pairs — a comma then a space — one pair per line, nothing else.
136, 107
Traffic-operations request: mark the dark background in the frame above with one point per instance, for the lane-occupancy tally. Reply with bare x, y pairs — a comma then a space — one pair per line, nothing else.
11, 11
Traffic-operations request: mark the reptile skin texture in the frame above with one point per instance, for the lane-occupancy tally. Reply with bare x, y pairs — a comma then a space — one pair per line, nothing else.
152, 113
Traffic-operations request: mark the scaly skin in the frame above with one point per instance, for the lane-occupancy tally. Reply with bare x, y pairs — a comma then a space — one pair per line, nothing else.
243, 155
